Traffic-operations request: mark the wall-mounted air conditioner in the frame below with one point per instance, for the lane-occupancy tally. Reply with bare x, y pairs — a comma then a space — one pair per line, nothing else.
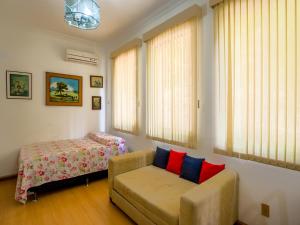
83, 57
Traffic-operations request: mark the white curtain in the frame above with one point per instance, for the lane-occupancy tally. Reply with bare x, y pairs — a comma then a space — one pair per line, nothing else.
257, 67
125, 91
171, 85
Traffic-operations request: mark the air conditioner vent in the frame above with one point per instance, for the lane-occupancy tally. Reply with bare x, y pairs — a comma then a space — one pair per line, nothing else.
83, 57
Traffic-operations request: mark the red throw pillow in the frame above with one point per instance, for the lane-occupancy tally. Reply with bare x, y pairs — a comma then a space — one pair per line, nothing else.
209, 170
175, 161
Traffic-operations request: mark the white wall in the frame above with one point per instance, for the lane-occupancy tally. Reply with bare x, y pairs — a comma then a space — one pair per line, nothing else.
259, 183
28, 49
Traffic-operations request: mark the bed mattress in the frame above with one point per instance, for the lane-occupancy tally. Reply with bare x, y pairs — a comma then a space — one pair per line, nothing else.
57, 160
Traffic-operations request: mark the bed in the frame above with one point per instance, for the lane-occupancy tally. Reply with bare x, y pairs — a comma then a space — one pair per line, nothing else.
45, 162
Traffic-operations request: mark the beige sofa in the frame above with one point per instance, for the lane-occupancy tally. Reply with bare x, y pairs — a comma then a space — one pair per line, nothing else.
150, 195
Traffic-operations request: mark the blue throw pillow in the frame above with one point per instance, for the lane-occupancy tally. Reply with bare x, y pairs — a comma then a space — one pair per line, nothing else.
191, 168
161, 158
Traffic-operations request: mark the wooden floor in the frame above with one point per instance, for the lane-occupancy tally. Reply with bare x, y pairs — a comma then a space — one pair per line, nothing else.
78, 205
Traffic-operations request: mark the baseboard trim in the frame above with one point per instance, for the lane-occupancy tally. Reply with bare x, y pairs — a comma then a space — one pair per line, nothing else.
7, 177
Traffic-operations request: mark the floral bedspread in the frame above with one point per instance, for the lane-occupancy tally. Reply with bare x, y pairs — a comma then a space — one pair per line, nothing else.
57, 160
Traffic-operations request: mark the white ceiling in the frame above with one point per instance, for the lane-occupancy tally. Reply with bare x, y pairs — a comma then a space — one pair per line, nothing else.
116, 15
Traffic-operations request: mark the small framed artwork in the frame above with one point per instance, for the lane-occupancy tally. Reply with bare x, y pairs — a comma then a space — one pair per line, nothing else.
96, 81
63, 89
96, 102
18, 85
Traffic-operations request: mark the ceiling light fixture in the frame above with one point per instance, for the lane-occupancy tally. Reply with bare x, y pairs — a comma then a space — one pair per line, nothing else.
83, 14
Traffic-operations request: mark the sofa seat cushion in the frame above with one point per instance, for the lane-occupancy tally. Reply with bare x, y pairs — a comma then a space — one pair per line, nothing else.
154, 191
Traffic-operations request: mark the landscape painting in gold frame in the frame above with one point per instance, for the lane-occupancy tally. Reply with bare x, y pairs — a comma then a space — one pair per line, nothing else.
63, 89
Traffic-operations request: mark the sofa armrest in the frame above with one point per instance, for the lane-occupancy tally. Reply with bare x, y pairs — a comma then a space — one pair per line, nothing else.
127, 162
212, 202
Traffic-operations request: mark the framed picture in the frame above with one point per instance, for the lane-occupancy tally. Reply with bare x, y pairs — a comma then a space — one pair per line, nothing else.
63, 90
96, 81
96, 102
18, 85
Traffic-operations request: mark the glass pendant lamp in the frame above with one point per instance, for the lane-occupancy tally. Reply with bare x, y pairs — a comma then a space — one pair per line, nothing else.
83, 14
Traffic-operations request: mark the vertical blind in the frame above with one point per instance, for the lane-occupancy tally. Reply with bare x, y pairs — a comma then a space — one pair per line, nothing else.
171, 85
125, 91
257, 66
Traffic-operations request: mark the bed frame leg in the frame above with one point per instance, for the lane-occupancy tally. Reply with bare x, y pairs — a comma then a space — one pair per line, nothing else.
87, 181
35, 197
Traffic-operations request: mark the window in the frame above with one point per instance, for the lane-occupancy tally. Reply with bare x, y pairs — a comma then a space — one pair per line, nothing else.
257, 66
171, 85
125, 91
